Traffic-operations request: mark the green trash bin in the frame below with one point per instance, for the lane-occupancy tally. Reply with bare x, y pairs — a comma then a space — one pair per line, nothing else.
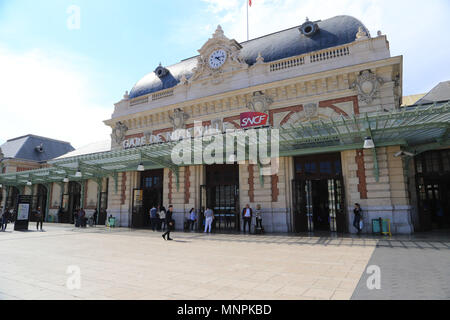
381, 226
112, 222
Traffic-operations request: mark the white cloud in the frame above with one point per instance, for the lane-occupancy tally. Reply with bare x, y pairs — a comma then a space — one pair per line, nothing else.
415, 28
46, 94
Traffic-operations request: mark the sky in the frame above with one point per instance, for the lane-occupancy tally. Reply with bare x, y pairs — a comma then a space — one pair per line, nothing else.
64, 63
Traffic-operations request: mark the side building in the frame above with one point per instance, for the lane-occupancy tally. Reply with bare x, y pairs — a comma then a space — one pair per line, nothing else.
25, 154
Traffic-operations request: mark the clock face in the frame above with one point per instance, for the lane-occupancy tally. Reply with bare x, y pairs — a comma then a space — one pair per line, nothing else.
217, 59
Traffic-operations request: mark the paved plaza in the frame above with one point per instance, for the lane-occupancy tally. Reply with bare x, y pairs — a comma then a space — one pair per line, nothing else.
130, 264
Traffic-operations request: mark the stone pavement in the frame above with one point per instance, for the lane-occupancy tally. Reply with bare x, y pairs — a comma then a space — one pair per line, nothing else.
417, 270
130, 264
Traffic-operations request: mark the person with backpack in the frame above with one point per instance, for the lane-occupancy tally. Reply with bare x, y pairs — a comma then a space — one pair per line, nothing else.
357, 212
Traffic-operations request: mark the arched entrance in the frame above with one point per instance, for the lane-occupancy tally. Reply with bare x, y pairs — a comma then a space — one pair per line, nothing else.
39, 201
11, 200
74, 200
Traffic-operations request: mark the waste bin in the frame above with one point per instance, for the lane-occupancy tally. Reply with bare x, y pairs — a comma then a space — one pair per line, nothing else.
381, 226
112, 222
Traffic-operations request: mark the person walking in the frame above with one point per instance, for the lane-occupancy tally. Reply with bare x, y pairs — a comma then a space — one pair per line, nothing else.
153, 222
39, 218
247, 214
162, 218
209, 217
94, 217
192, 218
170, 223
2, 213
357, 217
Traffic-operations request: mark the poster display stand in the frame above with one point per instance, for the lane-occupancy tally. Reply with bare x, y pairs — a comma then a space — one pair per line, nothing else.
23, 210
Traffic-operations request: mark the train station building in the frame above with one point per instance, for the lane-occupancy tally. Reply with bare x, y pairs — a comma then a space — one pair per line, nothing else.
324, 124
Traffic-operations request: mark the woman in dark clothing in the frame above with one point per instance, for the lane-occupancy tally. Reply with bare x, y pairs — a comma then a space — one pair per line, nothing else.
357, 217
169, 222
94, 217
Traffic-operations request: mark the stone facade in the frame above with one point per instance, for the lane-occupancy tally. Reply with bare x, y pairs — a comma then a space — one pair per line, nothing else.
359, 77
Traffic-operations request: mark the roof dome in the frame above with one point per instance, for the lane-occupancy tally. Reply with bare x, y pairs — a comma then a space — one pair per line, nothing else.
279, 45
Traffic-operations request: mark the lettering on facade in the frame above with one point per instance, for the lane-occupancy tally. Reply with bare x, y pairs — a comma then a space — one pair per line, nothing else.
253, 119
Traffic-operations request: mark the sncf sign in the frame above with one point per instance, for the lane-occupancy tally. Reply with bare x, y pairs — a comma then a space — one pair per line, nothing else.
253, 119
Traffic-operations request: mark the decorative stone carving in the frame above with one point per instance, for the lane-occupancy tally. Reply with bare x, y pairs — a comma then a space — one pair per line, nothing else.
178, 119
2, 155
126, 96
259, 59
361, 35
233, 61
148, 135
310, 110
118, 133
368, 85
260, 102
183, 80
217, 124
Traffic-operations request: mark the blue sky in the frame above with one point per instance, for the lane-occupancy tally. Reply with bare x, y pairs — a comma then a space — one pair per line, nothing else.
63, 83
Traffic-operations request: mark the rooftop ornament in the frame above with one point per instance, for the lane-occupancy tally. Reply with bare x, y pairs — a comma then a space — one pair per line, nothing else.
161, 72
309, 28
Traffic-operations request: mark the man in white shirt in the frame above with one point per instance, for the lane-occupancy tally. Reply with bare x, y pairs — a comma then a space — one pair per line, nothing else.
247, 215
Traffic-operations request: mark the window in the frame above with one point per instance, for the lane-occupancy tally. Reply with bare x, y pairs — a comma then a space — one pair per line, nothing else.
325, 167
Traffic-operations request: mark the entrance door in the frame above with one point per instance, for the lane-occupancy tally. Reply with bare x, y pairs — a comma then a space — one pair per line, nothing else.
318, 194
148, 195
433, 188
221, 194
39, 201
13, 196
74, 202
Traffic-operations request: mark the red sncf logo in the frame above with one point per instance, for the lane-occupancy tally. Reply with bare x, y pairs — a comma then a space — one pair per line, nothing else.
253, 119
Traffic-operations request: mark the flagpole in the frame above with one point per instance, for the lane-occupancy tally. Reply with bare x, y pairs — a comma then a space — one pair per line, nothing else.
247, 23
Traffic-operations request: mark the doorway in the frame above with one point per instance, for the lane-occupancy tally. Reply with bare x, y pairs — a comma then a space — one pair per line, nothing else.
74, 202
144, 198
13, 196
39, 201
221, 194
433, 188
318, 194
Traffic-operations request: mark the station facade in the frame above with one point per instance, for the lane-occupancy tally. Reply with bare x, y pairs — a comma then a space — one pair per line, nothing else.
332, 92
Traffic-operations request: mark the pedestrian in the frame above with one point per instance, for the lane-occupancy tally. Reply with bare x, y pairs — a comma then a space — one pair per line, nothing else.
247, 214
357, 217
209, 217
82, 218
258, 214
75, 217
162, 218
153, 222
1, 217
170, 223
94, 216
192, 218
4, 220
39, 218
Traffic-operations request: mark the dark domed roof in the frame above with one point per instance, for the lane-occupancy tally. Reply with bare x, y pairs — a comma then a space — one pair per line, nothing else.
287, 43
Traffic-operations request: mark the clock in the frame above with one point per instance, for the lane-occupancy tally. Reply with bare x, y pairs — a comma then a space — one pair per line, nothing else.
217, 59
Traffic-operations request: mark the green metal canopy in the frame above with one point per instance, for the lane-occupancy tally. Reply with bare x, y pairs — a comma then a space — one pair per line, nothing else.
416, 129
